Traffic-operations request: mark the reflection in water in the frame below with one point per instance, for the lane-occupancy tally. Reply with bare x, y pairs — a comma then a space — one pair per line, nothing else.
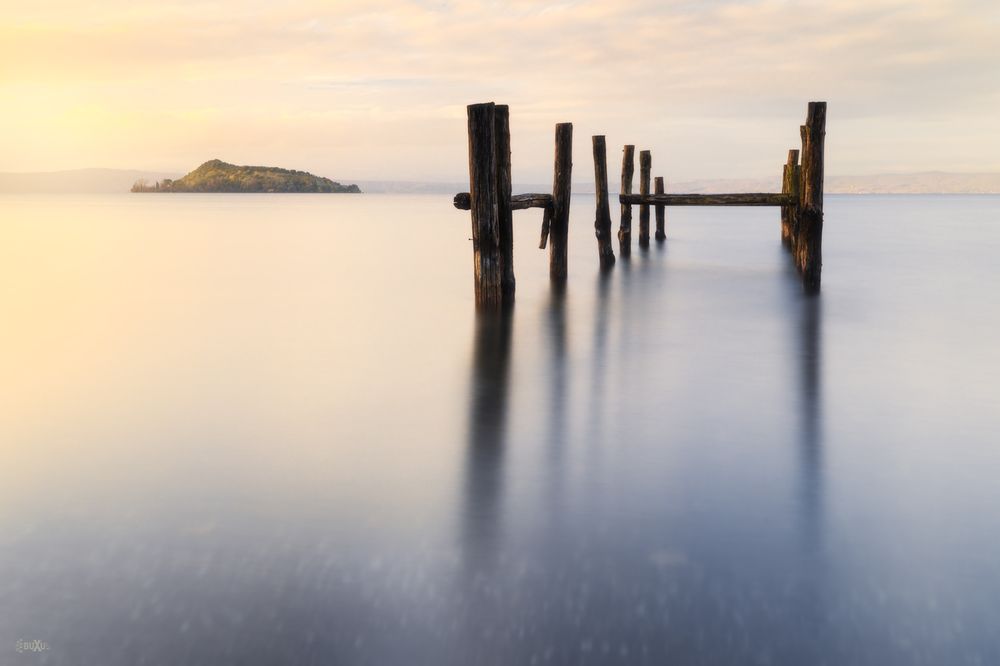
810, 349
812, 598
644, 561
599, 352
555, 413
205, 470
556, 325
486, 432
805, 314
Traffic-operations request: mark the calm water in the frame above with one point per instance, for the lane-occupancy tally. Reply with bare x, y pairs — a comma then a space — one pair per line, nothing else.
270, 429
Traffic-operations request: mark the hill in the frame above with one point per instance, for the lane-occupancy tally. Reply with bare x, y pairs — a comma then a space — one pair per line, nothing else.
219, 176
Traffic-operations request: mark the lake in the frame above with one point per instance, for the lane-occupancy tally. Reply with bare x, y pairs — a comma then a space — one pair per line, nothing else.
262, 429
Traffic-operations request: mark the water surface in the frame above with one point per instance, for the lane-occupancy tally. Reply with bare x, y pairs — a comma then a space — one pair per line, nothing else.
241, 429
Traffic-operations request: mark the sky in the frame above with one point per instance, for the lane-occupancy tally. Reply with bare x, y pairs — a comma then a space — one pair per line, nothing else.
377, 90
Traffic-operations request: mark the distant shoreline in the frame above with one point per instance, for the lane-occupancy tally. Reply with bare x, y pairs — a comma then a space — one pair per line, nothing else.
107, 181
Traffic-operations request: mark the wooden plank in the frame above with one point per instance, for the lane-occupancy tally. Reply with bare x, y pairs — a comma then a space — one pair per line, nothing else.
561, 190
530, 200
625, 226
743, 199
602, 220
488, 263
645, 168
661, 220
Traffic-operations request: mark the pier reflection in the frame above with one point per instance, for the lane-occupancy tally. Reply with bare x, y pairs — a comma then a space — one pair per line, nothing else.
809, 332
812, 590
555, 323
599, 368
487, 432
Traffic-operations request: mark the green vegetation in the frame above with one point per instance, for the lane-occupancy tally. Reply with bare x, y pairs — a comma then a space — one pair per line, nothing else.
218, 176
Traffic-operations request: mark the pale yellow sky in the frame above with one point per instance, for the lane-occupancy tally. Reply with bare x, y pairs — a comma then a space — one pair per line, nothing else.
377, 90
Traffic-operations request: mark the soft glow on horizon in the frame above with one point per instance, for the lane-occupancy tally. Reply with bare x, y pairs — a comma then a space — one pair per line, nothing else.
377, 90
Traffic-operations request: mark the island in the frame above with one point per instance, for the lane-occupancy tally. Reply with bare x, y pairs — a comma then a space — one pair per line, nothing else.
219, 176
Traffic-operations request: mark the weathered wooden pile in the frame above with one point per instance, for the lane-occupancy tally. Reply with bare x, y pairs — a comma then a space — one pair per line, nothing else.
491, 202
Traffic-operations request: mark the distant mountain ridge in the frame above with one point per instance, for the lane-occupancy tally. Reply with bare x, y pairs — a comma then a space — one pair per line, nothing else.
219, 176
100, 181
930, 182
78, 181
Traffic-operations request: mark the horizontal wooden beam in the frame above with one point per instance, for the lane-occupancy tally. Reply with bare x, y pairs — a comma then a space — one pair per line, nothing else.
522, 201
517, 202
743, 199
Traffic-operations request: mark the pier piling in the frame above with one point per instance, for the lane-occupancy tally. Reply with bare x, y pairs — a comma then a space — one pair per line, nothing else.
809, 243
491, 202
789, 186
561, 190
602, 219
625, 226
487, 254
645, 167
504, 207
661, 228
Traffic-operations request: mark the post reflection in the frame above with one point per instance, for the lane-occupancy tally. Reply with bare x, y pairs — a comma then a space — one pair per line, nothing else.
810, 415
556, 328
599, 355
813, 590
487, 433
554, 412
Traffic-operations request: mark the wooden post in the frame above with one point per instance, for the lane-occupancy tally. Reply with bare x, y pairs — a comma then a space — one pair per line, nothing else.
645, 167
796, 213
546, 223
809, 243
602, 221
793, 213
504, 208
661, 227
625, 227
789, 185
559, 230
487, 255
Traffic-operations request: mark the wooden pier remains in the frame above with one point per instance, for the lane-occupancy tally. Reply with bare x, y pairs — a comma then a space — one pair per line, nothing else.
491, 202
800, 200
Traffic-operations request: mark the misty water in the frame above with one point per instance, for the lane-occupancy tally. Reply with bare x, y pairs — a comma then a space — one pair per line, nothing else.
263, 429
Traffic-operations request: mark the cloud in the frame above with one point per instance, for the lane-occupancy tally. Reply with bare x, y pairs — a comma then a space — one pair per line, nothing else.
367, 87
